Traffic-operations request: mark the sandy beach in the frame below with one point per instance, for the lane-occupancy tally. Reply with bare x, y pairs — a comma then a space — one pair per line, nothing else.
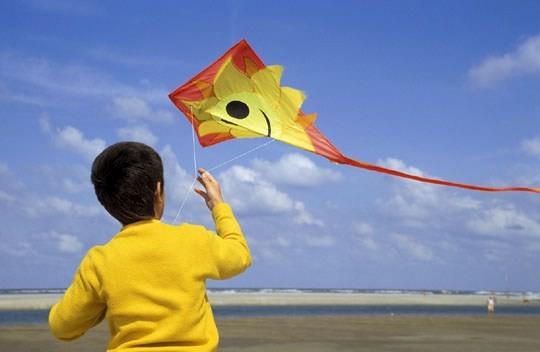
44, 301
318, 334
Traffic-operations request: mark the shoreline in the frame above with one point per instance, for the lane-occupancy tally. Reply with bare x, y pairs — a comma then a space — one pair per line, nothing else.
45, 301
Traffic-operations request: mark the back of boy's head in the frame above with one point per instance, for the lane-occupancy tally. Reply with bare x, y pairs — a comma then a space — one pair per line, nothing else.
125, 176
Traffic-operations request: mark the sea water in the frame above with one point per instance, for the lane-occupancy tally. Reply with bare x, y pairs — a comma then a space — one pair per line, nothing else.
14, 317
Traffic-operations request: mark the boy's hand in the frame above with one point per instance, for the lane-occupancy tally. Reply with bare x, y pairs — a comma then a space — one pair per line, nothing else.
212, 191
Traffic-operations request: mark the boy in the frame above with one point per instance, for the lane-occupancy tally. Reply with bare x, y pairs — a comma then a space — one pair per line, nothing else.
149, 280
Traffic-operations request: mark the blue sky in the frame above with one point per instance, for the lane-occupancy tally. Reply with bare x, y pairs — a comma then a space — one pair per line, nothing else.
446, 89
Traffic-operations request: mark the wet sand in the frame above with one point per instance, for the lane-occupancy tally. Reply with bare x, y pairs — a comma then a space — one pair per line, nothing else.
317, 334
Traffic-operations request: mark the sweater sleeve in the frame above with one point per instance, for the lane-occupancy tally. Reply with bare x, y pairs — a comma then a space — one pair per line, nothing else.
229, 250
80, 308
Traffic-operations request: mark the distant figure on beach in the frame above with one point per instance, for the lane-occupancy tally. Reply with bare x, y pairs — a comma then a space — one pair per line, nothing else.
491, 305
149, 280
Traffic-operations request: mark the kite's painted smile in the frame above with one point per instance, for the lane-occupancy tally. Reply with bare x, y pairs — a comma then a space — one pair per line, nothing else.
267, 123
240, 110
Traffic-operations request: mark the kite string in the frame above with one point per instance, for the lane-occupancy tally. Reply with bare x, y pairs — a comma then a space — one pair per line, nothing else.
193, 144
239, 156
188, 191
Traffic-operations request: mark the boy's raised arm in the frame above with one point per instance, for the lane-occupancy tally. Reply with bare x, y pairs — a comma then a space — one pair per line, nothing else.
229, 250
80, 308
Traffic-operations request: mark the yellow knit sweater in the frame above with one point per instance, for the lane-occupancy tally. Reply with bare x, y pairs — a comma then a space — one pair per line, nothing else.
149, 283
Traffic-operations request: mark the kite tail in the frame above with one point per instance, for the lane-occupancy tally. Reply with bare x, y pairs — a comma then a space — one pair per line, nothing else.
356, 163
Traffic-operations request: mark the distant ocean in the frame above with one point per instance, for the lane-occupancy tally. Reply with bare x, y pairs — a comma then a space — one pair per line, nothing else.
530, 294
11, 317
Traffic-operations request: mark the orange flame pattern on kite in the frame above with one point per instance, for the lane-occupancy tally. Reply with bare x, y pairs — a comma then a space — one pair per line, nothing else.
238, 96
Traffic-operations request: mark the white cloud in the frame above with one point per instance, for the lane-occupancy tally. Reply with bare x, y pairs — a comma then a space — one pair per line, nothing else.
413, 248
369, 243
418, 201
71, 186
296, 170
531, 146
177, 180
363, 229
132, 108
364, 235
303, 217
249, 192
60, 241
501, 221
58, 205
397, 164
69, 243
139, 134
4, 170
38, 81
67, 7
130, 59
320, 241
6, 197
17, 249
72, 139
280, 241
524, 60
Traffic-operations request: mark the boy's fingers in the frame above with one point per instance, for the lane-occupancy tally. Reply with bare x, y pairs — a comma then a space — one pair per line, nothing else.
201, 193
206, 175
202, 181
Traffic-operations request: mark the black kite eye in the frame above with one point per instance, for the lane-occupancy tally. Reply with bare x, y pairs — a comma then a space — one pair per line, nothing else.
237, 109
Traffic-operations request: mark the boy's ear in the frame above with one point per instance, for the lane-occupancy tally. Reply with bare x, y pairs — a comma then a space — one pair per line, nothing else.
159, 201
158, 194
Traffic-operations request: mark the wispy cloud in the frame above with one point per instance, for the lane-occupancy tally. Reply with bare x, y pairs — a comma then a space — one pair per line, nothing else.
296, 170
7, 198
503, 220
531, 146
413, 248
363, 233
138, 134
72, 139
35, 205
4, 169
525, 59
320, 241
133, 108
39, 81
58, 205
417, 202
63, 242
66, 7
113, 56
178, 186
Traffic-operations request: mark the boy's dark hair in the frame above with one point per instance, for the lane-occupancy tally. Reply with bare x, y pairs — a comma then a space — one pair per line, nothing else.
125, 176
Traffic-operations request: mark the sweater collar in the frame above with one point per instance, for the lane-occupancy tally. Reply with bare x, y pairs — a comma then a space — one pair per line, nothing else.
139, 223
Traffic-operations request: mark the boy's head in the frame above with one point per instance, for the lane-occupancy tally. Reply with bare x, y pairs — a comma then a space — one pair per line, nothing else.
128, 180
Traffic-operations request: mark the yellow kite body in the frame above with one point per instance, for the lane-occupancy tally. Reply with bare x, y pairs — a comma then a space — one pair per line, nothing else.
251, 107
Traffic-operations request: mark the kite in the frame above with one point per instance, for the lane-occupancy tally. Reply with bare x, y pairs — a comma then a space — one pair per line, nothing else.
238, 96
